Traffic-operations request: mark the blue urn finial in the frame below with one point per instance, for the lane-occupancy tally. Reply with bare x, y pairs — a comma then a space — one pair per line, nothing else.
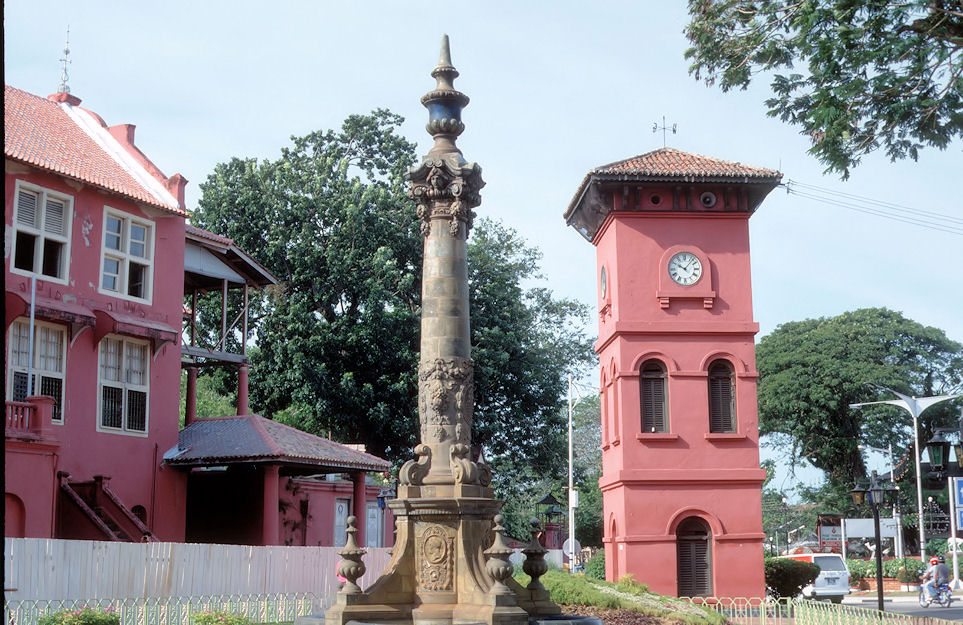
444, 104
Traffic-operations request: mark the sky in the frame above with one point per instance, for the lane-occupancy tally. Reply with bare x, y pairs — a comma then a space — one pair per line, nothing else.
556, 89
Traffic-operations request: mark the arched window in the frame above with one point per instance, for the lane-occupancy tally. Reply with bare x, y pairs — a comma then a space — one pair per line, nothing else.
694, 558
722, 397
655, 413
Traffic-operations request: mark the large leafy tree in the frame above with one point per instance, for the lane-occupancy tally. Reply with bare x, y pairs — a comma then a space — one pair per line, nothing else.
811, 371
337, 346
854, 75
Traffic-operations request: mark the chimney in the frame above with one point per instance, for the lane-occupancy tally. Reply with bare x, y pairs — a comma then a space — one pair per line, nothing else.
175, 186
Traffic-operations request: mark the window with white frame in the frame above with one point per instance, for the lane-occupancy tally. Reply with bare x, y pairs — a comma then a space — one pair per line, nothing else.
128, 256
49, 356
41, 224
124, 371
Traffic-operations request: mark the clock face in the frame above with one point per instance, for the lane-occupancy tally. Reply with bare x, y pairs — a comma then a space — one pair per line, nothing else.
603, 283
685, 268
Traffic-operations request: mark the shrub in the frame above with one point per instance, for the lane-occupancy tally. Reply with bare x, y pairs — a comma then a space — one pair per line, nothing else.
628, 584
860, 569
595, 567
220, 618
906, 570
786, 577
82, 616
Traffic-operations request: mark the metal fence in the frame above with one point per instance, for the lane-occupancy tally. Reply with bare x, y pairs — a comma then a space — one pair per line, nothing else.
760, 611
269, 608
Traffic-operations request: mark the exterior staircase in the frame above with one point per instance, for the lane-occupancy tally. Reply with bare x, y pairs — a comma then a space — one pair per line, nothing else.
104, 510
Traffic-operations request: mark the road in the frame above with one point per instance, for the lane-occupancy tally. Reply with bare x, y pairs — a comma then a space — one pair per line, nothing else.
913, 608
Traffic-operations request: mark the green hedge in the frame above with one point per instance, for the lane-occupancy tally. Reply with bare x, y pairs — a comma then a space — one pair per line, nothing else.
786, 577
82, 616
595, 567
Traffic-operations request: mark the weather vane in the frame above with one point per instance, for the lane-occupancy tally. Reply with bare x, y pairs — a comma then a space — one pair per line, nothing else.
656, 127
65, 60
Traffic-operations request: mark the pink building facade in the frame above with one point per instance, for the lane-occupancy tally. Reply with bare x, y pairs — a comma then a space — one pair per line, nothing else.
94, 254
680, 478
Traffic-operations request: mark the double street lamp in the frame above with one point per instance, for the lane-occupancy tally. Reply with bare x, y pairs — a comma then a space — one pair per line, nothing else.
915, 406
874, 492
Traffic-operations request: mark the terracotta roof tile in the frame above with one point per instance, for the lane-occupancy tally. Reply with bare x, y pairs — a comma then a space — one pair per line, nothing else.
672, 163
254, 438
46, 134
207, 234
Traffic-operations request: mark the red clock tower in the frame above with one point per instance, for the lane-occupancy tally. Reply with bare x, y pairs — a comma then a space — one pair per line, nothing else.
681, 481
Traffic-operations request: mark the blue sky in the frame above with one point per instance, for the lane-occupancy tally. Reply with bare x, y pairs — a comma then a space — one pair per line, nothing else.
556, 89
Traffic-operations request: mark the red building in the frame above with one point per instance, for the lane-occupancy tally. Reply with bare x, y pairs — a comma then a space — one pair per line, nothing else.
95, 250
681, 480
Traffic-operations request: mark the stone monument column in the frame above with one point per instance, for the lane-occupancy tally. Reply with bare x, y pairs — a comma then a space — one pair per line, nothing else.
450, 563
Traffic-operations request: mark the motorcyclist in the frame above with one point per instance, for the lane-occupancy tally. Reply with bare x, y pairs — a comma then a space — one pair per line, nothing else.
937, 573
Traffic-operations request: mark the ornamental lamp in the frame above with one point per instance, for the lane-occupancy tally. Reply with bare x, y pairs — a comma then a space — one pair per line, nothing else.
858, 493
939, 449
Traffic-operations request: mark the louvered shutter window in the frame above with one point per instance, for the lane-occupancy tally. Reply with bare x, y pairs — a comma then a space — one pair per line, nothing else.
55, 217
42, 227
653, 397
27, 209
722, 407
694, 558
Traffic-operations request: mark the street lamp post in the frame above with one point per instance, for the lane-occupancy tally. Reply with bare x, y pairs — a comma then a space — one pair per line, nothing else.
915, 406
875, 491
892, 479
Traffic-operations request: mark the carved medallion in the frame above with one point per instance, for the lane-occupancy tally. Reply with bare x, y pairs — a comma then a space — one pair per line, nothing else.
436, 558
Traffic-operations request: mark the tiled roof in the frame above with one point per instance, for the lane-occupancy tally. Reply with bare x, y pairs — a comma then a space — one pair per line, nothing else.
663, 167
207, 234
666, 163
69, 140
253, 438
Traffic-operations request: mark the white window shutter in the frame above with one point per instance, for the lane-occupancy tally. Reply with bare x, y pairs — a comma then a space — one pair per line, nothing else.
55, 217
27, 208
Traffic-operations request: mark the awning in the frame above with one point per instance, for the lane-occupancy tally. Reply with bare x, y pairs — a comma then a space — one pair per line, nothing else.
17, 304
115, 322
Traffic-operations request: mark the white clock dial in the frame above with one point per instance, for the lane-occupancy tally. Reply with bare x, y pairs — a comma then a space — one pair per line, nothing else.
685, 268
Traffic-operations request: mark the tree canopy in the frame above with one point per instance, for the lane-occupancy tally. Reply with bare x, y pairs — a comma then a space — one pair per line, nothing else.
337, 345
811, 371
875, 74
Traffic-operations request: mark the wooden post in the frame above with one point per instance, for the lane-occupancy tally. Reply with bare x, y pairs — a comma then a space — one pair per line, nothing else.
270, 525
360, 505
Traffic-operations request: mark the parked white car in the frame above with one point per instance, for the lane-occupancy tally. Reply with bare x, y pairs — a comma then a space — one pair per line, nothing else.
832, 584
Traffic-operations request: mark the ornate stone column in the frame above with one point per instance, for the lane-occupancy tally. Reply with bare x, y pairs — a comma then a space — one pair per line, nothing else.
445, 188
444, 510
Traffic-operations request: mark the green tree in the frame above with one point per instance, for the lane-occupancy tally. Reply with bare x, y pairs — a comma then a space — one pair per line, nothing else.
876, 74
811, 371
337, 345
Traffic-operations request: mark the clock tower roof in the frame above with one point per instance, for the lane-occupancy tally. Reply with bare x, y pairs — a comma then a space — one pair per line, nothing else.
663, 167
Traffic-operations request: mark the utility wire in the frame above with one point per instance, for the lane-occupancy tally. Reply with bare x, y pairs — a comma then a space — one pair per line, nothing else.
879, 208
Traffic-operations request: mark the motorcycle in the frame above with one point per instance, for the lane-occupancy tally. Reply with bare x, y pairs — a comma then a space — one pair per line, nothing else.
943, 596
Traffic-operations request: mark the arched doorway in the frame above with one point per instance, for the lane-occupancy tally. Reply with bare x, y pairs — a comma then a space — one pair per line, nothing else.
15, 517
694, 558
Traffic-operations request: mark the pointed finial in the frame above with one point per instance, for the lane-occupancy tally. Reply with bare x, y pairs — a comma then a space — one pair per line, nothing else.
445, 57
65, 60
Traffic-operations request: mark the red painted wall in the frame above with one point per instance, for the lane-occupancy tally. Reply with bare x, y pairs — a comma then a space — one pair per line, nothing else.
133, 462
652, 482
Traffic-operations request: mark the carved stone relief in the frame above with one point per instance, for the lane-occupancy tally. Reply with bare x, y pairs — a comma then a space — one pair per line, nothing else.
436, 555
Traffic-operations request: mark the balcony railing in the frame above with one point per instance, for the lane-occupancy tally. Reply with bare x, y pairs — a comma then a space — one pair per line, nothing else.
20, 415
31, 417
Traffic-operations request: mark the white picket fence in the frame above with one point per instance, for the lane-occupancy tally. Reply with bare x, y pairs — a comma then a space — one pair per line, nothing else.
51, 569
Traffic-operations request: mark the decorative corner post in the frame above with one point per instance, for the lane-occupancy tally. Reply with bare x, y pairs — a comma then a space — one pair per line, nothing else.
351, 567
